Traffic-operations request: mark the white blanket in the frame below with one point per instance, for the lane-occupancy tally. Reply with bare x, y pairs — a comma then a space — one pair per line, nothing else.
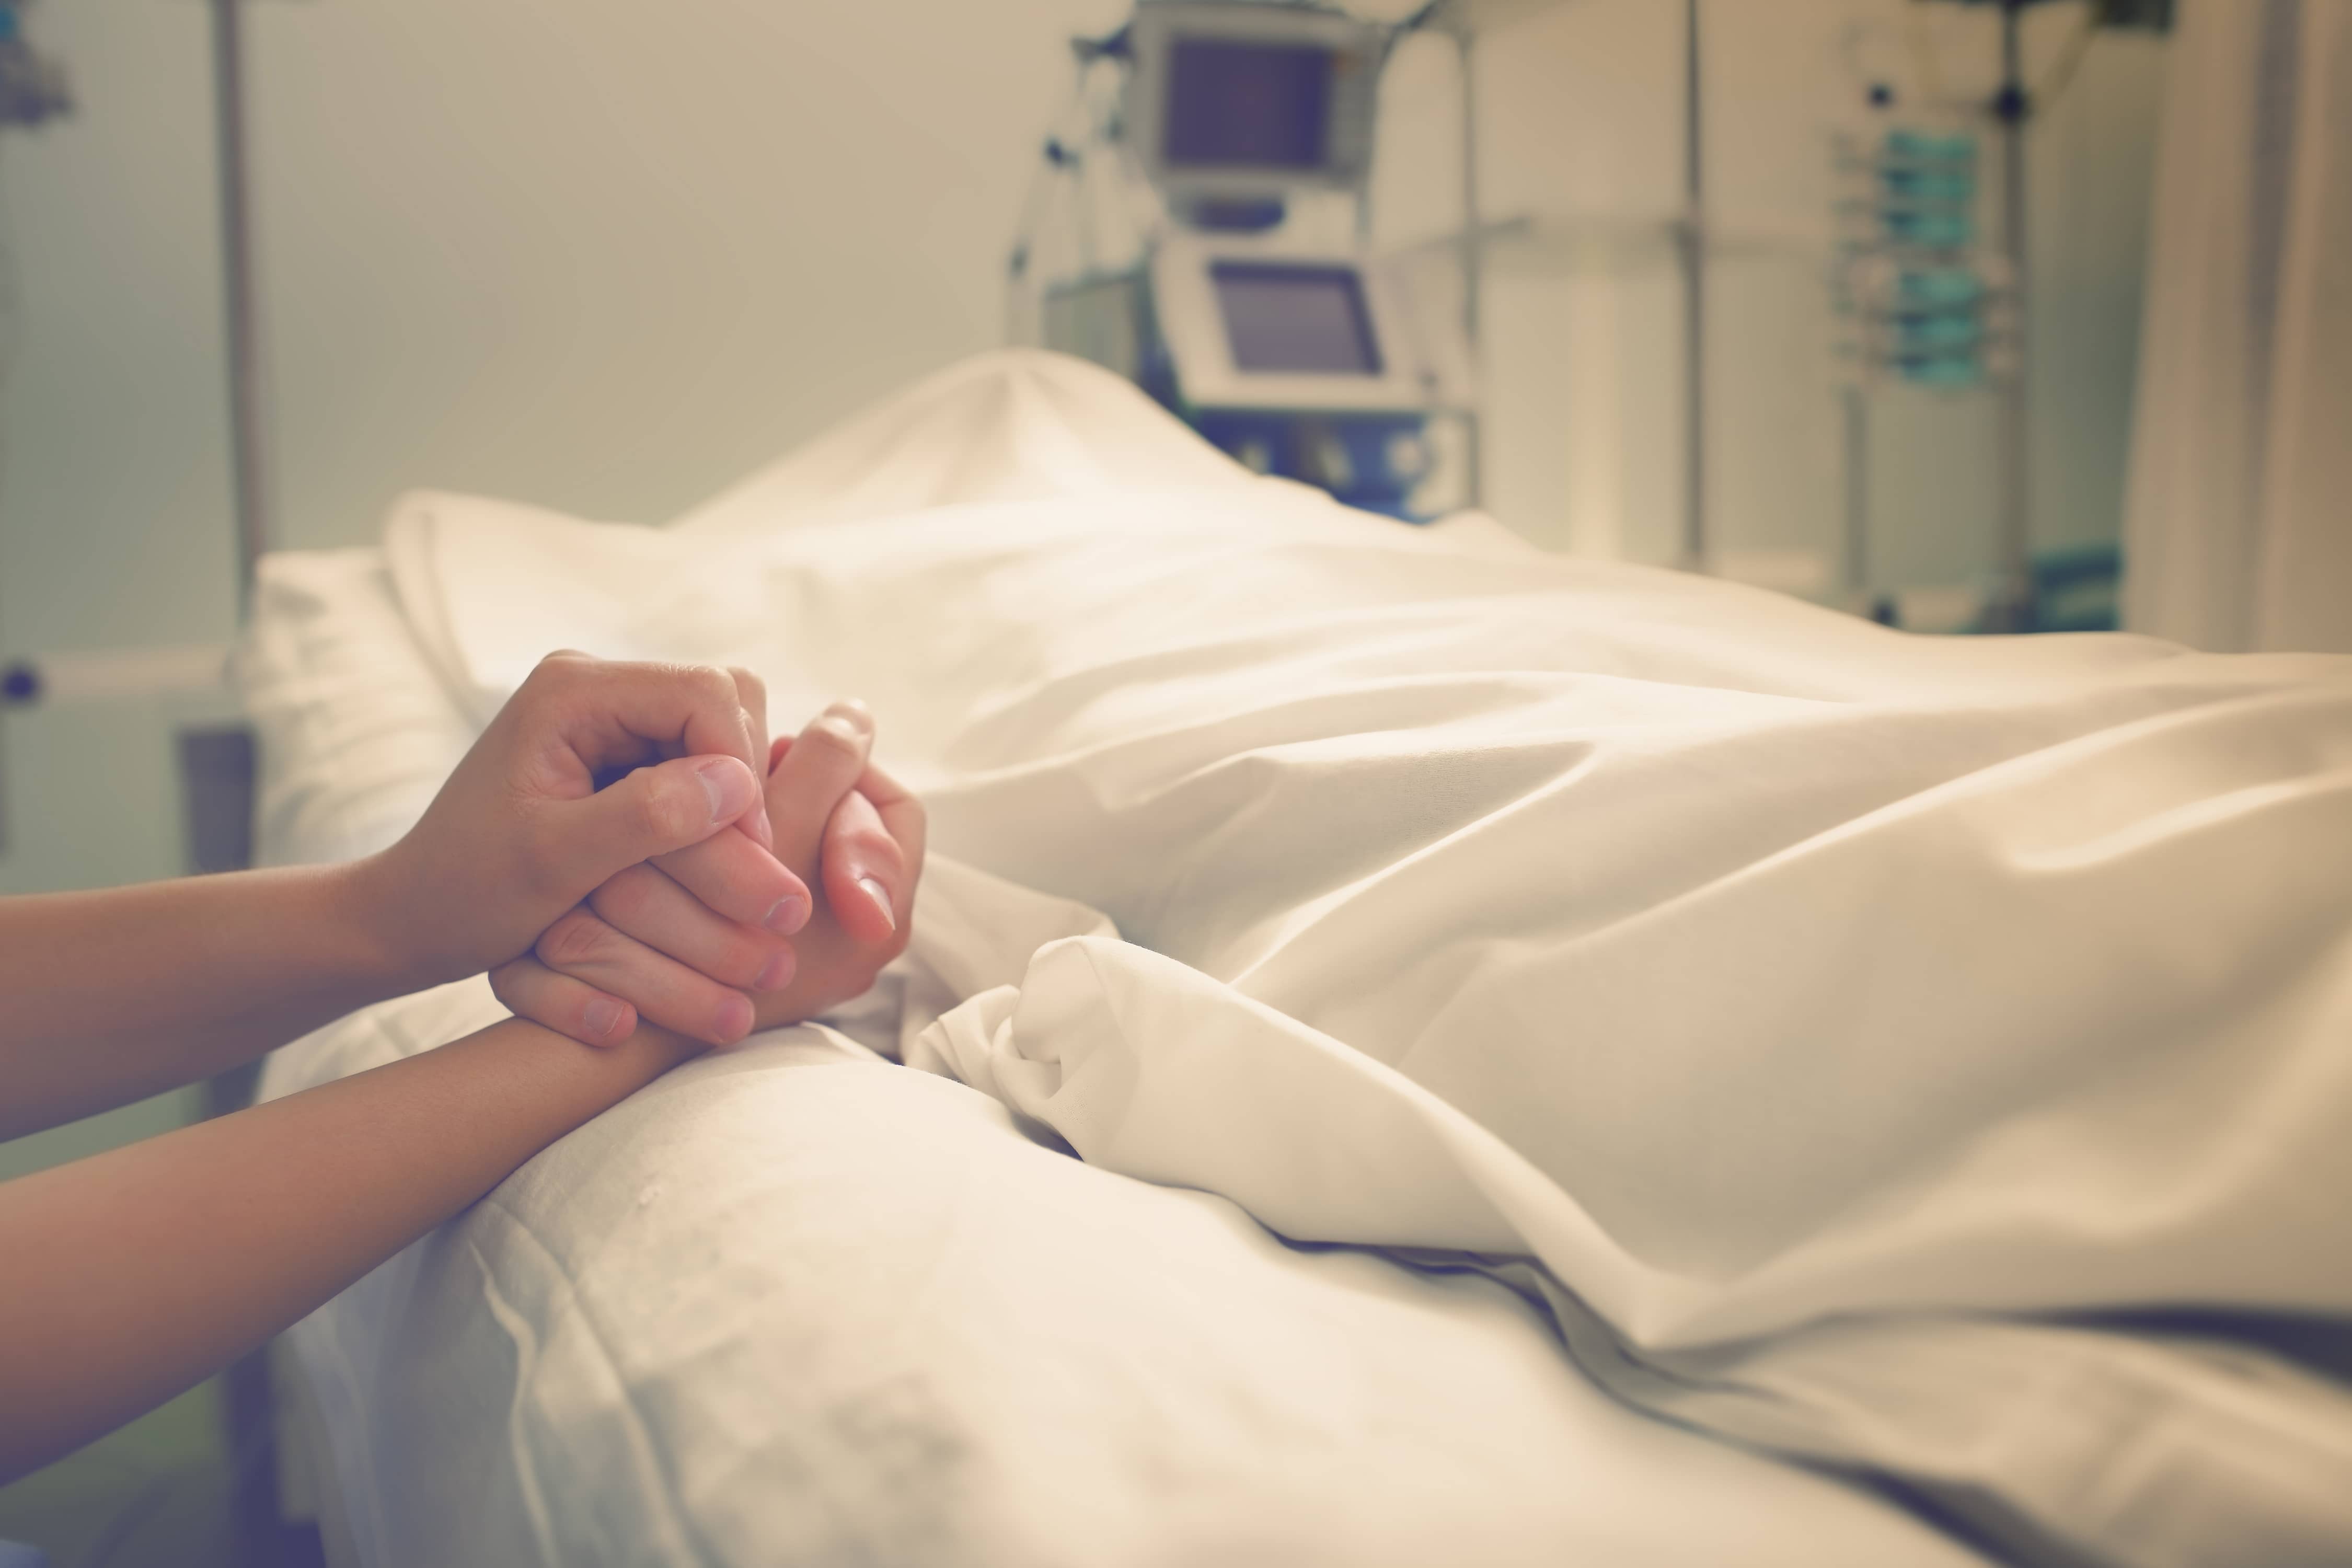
1809, 1000
792, 1304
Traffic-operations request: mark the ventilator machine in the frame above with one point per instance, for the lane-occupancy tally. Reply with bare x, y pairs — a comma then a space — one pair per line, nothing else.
1233, 129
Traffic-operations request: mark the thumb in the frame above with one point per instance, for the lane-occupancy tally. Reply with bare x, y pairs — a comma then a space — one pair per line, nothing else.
651, 812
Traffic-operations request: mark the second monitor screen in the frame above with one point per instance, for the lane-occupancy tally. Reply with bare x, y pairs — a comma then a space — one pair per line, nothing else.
1295, 320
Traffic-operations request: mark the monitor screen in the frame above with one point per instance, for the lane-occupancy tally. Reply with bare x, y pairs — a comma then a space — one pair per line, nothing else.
1295, 320
1237, 104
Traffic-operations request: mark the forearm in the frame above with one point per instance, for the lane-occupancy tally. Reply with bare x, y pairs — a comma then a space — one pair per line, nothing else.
133, 1274
117, 994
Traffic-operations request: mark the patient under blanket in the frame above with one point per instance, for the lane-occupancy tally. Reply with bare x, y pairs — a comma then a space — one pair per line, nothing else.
1847, 1037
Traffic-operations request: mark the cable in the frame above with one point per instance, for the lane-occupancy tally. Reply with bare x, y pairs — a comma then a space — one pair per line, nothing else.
1920, 33
2096, 14
1427, 13
1056, 156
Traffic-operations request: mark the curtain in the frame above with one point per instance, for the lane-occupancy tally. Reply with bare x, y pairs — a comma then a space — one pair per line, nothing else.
2238, 527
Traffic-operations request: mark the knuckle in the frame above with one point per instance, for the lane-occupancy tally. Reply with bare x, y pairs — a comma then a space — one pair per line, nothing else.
744, 961
775, 790
541, 865
862, 833
704, 870
662, 812
577, 940
872, 854
625, 898
559, 667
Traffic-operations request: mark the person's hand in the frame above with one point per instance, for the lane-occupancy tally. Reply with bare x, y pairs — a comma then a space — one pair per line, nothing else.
650, 943
863, 855
522, 833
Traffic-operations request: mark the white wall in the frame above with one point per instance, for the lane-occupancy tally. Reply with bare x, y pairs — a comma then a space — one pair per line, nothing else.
113, 491
607, 255
600, 253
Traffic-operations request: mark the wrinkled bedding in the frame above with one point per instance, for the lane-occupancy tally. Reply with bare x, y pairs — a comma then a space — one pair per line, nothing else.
1826, 1033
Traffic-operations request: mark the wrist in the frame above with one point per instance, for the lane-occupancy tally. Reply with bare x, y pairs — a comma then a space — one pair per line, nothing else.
602, 1075
388, 933
654, 1050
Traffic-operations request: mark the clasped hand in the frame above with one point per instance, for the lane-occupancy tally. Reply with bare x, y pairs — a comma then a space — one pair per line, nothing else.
714, 885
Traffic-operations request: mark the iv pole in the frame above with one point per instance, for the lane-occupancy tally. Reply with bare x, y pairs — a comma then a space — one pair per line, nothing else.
1474, 261
239, 317
1692, 239
2011, 608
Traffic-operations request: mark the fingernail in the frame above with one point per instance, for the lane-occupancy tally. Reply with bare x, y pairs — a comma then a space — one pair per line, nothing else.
843, 726
603, 1017
850, 720
734, 1019
787, 914
777, 975
881, 897
727, 784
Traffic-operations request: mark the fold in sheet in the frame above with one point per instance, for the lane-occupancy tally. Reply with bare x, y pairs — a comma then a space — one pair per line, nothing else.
1797, 992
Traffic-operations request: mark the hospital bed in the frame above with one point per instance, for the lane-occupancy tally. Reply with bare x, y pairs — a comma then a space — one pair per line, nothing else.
802, 1301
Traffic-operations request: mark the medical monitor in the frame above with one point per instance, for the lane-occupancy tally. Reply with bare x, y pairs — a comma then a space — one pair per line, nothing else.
1247, 321
1232, 98
1290, 320
1234, 104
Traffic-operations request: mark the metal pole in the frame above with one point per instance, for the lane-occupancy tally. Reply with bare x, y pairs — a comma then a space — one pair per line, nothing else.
2011, 608
247, 477
1858, 492
1692, 235
1474, 261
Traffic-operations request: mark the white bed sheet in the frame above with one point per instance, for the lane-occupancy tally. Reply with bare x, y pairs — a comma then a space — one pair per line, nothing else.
798, 1304
1823, 1007
357, 731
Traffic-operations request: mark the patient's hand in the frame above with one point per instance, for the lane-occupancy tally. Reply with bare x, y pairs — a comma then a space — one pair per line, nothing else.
856, 836
649, 937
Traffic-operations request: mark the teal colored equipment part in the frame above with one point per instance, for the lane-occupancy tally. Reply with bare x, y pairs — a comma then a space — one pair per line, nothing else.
1938, 285
2078, 589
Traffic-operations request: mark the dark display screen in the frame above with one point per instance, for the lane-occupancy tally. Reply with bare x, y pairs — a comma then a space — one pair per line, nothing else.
1234, 104
1309, 321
